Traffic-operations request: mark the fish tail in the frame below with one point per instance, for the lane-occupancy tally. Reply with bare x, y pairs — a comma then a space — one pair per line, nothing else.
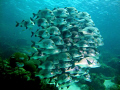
33, 43
17, 24
32, 34
34, 15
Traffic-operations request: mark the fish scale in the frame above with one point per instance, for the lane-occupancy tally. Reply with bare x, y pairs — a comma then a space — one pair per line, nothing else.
73, 47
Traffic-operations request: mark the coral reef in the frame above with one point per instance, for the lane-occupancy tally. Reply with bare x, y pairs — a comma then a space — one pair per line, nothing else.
15, 77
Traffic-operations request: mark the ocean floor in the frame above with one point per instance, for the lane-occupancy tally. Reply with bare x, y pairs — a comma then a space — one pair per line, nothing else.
108, 84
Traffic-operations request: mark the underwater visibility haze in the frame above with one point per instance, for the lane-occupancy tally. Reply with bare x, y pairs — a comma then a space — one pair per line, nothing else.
60, 44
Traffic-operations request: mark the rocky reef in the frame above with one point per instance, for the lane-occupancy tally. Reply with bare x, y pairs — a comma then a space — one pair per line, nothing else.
21, 76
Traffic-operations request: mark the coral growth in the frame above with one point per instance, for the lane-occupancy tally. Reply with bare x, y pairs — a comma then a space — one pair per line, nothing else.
21, 77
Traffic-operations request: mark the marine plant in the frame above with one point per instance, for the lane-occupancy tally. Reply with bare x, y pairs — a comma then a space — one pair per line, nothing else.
18, 59
14, 77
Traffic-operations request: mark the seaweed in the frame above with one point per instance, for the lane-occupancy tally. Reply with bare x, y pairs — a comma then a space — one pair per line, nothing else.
16, 77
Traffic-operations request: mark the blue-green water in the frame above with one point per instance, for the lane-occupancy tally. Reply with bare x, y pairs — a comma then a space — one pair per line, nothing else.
104, 13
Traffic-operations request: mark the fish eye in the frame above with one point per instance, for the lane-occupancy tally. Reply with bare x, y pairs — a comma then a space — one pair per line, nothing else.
68, 57
53, 44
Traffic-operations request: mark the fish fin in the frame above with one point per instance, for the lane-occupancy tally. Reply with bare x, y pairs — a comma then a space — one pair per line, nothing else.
65, 7
32, 34
39, 52
26, 27
37, 30
23, 20
34, 15
39, 11
31, 19
17, 24
54, 8
88, 62
68, 87
33, 43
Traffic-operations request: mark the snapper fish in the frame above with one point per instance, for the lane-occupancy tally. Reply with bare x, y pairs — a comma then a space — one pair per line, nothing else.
43, 33
82, 43
86, 77
53, 59
47, 65
72, 10
59, 21
63, 78
68, 41
75, 34
45, 43
58, 40
64, 27
65, 64
66, 34
71, 21
41, 22
45, 13
53, 30
76, 69
65, 56
60, 12
83, 15
88, 62
51, 51
75, 53
27, 24
45, 73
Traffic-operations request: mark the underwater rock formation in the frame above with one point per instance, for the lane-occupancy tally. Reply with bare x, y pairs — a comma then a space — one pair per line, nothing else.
19, 77
68, 39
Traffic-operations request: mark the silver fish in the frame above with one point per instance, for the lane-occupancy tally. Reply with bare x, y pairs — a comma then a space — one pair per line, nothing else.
41, 22
58, 40
45, 13
75, 34
51, 51
45, 43
71, 21
60, 12
63, 27
45, 73
65, 57
64, 64
43, 33
47, 65
75, 53
59, 21
72, 10
27, 24
53, 59
66, 34
53, 30
82, 43
83, 15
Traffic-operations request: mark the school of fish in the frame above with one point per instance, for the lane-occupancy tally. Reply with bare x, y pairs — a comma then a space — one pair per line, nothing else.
68, 40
